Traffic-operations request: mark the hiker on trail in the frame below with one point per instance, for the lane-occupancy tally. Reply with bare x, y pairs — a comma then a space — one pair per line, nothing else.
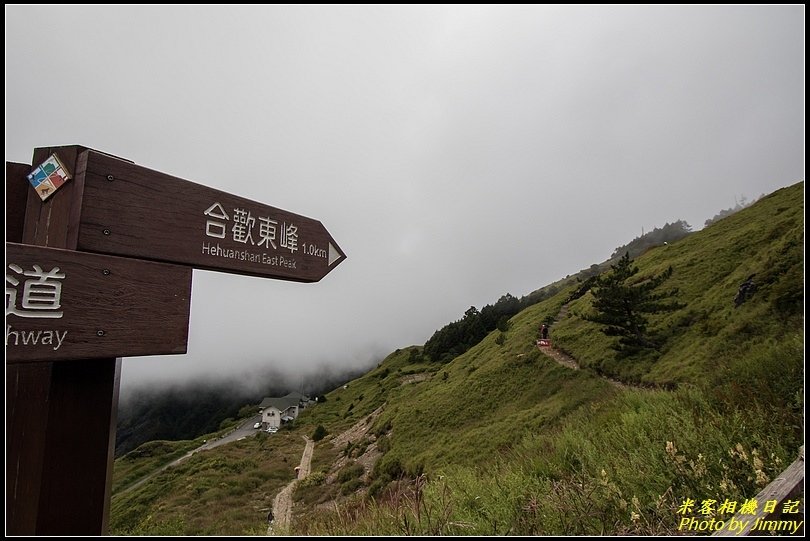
544, 332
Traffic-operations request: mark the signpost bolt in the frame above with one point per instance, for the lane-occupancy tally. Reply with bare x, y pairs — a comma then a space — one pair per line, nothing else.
106, 231
110, 178
106, 272
99, 333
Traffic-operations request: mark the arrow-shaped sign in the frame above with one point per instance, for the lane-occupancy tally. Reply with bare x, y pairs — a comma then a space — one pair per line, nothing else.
133, 211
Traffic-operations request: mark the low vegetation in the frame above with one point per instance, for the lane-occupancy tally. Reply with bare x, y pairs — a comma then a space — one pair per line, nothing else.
622, 303
147, 458
226, 490
502, 440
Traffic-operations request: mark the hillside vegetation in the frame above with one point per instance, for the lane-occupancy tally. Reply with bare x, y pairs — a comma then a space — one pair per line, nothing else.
504, 440
228, 489
512, 442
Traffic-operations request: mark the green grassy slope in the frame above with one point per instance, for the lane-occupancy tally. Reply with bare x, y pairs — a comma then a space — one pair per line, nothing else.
535, 442
765, 239
228, 489
503, 440
148, 457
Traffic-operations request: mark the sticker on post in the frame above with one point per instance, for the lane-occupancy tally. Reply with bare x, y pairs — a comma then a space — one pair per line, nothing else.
49, 176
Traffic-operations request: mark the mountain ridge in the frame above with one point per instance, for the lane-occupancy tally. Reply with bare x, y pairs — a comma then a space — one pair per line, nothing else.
504, 440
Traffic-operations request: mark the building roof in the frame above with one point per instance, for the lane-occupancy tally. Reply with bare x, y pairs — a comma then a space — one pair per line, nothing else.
284, 402
280, 404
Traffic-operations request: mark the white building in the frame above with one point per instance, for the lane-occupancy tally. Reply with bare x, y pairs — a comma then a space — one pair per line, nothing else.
281, 410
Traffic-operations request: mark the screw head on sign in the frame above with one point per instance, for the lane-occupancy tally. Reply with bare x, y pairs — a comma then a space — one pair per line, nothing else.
106, 231
110, 178
106, 272
99, 333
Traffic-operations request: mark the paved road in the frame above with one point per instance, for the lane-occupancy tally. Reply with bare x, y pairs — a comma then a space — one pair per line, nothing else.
242, 431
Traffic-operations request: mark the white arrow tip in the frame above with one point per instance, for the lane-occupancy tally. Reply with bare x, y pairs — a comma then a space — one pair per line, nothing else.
334, 255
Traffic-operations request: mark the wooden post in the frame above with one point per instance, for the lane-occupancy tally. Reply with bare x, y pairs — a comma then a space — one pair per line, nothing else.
62, 406
60, 416
79, 448
27, 388
789, 485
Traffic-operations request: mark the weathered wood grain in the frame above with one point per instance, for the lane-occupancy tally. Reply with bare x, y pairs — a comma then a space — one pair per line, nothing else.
133, 211
110, 306
27, 404
54, 222
79, 451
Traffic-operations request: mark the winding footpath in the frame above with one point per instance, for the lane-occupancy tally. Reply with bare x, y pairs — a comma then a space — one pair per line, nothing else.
283, 503
569, 362
561, 358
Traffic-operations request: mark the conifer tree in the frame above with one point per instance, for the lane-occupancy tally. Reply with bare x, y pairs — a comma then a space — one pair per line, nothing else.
621, 307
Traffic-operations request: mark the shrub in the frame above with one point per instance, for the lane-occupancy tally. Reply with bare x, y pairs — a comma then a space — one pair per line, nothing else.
383, 427
313, 479
361, 446
376, 488
350, 471
149, 449
319, 433
350, 486
389, 465
248, 410
383, 444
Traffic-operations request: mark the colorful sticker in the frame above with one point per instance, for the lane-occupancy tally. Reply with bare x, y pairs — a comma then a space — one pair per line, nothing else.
48, 177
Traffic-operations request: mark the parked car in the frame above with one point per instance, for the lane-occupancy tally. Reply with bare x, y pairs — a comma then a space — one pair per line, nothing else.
257, 425
272, 429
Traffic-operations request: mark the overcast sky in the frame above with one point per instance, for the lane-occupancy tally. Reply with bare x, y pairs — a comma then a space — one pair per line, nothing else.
454, 153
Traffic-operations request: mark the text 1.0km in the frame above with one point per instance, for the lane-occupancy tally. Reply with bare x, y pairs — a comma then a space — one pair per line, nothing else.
311, 249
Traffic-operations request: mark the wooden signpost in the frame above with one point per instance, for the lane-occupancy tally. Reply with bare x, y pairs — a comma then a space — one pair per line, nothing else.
132, 211
74, 307
62, 304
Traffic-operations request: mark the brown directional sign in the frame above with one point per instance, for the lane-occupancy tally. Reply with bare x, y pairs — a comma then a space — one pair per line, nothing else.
62, 304
129, 210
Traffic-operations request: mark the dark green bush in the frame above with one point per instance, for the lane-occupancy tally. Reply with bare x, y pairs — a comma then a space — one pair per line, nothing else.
319, 433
